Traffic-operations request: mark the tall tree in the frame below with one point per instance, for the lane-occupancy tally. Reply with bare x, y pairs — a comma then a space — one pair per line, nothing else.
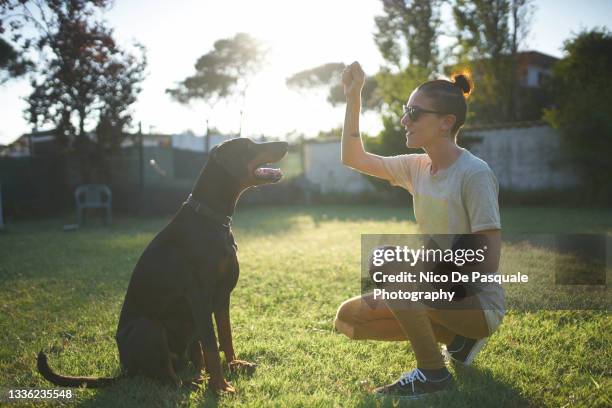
81, 74
407, 38
79, 65
225, 72
407, 33
489, 33
71, 79
123, 73
583, 112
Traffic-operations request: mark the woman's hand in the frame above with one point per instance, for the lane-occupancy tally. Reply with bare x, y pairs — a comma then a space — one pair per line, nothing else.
353, 79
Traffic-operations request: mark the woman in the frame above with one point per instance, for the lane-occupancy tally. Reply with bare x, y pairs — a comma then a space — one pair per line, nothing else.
454, 192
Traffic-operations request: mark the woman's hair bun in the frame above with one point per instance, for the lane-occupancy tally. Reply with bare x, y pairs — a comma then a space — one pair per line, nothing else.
463, 82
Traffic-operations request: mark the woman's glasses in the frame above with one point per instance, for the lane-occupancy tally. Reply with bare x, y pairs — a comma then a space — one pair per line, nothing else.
415, 112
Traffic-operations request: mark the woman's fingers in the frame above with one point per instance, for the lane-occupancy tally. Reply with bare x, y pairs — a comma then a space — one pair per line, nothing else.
353, 79
347, 76
357, 72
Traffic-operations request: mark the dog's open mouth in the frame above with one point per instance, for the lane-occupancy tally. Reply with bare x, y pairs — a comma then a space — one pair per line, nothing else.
267, 173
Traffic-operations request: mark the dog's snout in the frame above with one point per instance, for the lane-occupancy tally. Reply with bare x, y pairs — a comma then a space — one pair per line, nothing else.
276, 150
284, 147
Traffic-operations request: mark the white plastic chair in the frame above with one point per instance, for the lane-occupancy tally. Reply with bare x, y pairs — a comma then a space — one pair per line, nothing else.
93, 196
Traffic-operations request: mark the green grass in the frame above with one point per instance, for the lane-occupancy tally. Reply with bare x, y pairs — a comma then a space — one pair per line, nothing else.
62, 291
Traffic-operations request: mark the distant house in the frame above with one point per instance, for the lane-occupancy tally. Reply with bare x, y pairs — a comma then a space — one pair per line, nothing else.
534, 68
40, 143
148, 140
530, 95
192, 142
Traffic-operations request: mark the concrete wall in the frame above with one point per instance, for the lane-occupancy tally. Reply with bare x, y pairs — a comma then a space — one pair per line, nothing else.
527, 158
324, 169
523, 158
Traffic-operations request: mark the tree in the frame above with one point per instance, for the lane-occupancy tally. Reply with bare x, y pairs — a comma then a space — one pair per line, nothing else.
225, 72
327, 77
11, 63
82, 76
583, 112
489, 33
406, 36
407, 33
81, 72
123, 75
71, 79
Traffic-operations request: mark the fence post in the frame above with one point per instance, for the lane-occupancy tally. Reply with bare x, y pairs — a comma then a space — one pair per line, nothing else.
141, 174
207, 139
1, 218
302, 153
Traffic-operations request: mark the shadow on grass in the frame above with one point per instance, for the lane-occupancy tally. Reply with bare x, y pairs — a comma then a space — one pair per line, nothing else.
474, 387
142, 391
270, 220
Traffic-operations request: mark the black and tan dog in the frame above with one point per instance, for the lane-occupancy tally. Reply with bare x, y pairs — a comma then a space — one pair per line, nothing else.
186, 275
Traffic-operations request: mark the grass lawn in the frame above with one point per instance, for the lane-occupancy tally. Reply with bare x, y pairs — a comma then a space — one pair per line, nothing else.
62, 292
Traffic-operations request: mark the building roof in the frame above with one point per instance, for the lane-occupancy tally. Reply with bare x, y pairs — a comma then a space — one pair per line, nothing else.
536, 58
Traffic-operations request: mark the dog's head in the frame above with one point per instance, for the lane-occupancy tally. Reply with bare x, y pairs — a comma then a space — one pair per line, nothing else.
249, 162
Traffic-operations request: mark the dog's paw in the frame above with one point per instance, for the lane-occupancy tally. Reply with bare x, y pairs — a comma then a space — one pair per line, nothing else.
197, 380
241, 366
221, 386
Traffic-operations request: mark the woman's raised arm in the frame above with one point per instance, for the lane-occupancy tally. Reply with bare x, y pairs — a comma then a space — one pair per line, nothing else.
353, 154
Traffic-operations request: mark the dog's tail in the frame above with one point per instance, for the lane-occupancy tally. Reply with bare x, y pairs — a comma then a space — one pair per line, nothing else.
66, 381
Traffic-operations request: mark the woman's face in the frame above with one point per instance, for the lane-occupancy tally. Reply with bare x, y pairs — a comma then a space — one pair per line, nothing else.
428, 128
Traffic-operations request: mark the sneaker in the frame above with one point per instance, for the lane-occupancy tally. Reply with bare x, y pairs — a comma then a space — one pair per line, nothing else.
414, 385
463, 350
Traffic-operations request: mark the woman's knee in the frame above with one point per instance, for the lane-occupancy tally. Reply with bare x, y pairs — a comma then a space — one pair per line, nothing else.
345, 318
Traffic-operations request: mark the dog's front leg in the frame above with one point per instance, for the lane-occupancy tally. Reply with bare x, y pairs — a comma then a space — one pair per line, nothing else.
224, 328
202, 316
197, 359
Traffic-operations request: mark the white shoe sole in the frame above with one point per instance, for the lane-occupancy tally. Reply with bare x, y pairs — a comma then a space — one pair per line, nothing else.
480, 343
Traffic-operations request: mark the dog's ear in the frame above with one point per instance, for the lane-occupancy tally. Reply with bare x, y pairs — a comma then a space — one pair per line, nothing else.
230, 159
213, 154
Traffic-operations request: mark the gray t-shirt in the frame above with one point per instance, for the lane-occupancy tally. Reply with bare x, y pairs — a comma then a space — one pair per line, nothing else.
460, 199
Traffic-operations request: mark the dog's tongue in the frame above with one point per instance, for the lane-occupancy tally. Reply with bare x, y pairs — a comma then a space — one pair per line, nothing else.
267, 172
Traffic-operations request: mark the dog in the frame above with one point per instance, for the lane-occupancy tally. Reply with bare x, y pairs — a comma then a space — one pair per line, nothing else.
186, 275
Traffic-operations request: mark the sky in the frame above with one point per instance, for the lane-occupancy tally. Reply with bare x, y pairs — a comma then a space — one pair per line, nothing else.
299, 35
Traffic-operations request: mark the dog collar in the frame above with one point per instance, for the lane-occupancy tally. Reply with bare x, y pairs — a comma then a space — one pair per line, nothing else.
206, 211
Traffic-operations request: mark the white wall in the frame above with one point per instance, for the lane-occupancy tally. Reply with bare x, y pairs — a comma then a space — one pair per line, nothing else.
324, 169
524, 158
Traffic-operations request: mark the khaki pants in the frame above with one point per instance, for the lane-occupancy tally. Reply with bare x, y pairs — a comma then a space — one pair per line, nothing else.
364, 317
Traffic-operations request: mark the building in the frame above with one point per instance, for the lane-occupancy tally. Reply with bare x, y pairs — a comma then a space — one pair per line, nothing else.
534, 68
192, 142
40, 143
